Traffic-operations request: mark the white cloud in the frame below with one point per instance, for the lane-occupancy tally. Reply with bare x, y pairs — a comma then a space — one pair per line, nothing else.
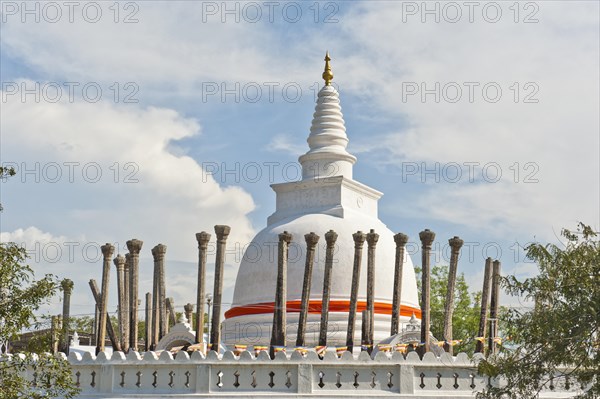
154, 193
169, 198
175, 45
29, 236
285, 143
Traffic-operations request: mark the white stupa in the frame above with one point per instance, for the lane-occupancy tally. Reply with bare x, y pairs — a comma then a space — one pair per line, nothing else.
327, 198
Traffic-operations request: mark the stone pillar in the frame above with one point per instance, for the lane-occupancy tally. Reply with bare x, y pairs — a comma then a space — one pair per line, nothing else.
54, 326
485, 299
189, 313
203, 238
171, 311
400, 240
148, 323
455, 244
163, 328
155, 302
365, 330
109, 327
426, 237
119, 262
59, 327
67, 287
494, 306
359, 240
278, 333
95, 329
222, 233
372, 239
107, 251
330, 237
208, 318
126, 301
311, 242
134, 246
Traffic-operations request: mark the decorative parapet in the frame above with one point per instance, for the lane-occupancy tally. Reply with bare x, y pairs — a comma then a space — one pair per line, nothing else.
151, 374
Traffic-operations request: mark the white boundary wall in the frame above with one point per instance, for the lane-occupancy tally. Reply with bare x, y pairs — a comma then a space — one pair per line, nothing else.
150, 375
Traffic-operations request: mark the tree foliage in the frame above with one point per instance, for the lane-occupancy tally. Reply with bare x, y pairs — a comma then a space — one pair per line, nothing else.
35, 376
27, 375
20, 297
558, 336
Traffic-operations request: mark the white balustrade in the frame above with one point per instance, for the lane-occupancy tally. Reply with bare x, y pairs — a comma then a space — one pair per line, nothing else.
152, 375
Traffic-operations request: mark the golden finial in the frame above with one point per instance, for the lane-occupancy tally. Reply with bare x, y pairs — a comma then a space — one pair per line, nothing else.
327, 74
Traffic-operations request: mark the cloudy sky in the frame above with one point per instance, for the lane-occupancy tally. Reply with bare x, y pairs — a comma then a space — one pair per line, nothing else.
156, 120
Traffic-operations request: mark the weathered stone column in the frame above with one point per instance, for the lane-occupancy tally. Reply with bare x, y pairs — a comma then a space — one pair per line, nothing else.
134, 246
455, 245
189, 313
54, 327
400, 240
148, 324
107, 252
208, 318
161, 250
311, 242
222, 233
359, 240
372, 239
95, 329
67, 287
203, 238
155, 302
119, 262
127, 301
278, 336
494, 306
426, 237
109, 327
59, 327
171, 311
485, 299
365, 330
330, 237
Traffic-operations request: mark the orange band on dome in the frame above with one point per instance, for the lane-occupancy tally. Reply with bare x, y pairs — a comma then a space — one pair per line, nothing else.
315, 307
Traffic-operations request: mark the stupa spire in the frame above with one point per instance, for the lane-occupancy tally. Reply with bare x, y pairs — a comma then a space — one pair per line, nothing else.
327, 141
327, 74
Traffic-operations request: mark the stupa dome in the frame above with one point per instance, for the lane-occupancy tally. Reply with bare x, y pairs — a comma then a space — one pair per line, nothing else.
327, 198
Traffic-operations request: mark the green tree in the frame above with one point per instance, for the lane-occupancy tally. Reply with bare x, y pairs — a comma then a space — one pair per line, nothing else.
41, 340
81, 324
467, 308
559, 335
20, 297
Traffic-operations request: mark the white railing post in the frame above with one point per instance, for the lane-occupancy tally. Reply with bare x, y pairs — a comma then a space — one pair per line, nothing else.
305, 378
202, 378
407, 379
105, 379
